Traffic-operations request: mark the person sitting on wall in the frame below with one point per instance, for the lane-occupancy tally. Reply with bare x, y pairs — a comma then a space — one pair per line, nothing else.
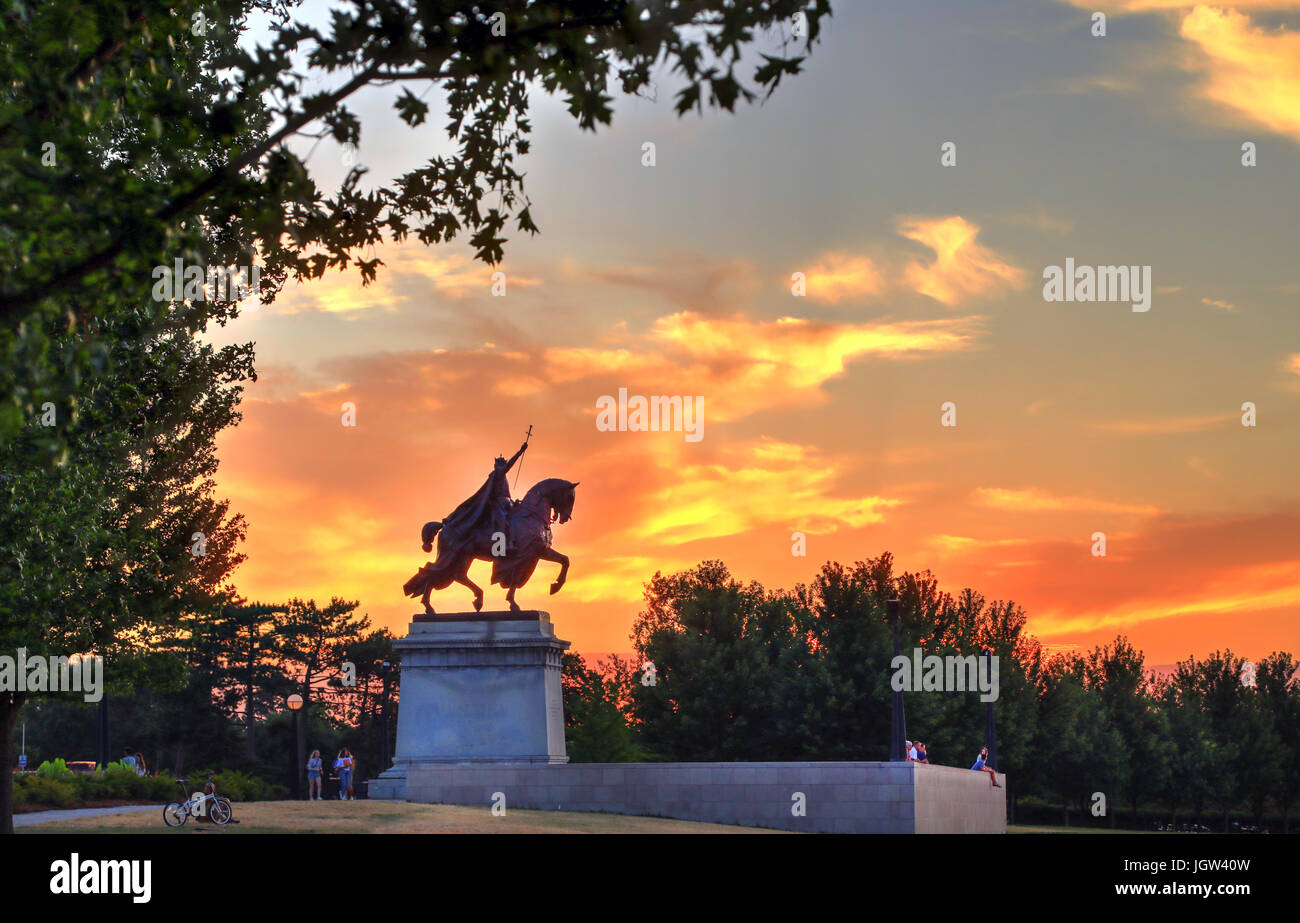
979, 765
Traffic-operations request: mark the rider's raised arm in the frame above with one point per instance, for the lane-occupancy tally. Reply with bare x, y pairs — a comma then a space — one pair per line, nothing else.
514, 458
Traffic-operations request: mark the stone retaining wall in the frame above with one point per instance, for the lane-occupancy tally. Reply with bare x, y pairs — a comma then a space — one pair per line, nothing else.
866, 797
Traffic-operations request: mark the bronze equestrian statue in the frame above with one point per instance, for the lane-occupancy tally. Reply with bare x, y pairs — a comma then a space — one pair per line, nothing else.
513, 534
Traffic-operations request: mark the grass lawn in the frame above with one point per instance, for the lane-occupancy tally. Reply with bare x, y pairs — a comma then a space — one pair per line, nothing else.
383, 817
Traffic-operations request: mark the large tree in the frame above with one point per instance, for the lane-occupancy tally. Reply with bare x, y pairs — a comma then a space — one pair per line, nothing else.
1279, 695
1116, 673
595, 730
746, 673
110, 404
130, 130
108, 552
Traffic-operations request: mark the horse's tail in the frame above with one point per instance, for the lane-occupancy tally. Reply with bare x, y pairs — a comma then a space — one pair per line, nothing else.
427, 533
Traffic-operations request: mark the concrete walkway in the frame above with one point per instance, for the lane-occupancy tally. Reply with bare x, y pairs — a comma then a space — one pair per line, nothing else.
40, 817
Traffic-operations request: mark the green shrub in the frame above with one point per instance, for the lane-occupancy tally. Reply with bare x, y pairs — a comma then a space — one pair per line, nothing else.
90, 785
57, 793
159, 788
238, 786
55, 770
122, 781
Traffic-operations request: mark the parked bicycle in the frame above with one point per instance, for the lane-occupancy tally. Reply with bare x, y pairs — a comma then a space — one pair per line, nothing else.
208, 803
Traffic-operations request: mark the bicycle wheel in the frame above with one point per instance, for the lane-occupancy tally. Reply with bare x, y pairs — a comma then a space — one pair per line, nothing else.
175, 815
220, 812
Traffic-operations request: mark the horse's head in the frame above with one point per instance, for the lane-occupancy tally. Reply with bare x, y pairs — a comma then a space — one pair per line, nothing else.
563, 502
557, 495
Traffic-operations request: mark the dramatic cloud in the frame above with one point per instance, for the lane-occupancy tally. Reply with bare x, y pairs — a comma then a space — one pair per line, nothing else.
1254, 72
742, 366
771, 483
962, 268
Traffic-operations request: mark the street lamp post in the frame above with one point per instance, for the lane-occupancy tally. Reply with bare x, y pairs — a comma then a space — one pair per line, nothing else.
388, 753
898, 718
990, 729
295, 705
102, 734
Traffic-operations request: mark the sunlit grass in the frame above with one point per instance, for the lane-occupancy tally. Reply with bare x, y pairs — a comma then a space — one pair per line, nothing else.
383, 817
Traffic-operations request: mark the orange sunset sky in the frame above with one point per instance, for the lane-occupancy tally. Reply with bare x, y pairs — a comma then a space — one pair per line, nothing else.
822, 413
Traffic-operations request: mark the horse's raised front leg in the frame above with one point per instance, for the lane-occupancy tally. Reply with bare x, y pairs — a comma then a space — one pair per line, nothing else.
550, 554
510, 598
464, 580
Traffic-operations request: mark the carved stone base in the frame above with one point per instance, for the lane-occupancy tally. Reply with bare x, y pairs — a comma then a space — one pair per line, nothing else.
477, 687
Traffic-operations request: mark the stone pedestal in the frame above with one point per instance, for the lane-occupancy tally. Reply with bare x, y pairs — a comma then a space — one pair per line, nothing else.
477, 688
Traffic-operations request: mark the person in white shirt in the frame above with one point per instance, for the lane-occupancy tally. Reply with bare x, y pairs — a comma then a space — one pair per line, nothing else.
344, 765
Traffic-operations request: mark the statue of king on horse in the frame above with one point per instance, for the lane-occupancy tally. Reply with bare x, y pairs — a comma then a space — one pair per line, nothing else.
490, 526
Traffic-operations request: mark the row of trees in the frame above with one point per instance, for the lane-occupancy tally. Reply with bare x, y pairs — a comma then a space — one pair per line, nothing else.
745, 673
226, 706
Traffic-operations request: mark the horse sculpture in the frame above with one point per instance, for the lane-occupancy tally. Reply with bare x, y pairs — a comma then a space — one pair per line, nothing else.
513, 534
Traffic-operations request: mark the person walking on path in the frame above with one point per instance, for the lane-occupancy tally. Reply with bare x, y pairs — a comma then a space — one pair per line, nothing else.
344, 766
314, 767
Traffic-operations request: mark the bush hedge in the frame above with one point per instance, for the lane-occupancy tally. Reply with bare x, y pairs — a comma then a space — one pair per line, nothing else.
54, 785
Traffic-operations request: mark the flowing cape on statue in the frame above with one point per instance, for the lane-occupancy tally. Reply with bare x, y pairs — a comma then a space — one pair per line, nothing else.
459, 526
456, 534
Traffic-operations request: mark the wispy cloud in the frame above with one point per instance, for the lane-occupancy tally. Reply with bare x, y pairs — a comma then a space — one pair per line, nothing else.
962, 544
838, 276
1035, 500
1041, 220
962, 268
1169, 425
